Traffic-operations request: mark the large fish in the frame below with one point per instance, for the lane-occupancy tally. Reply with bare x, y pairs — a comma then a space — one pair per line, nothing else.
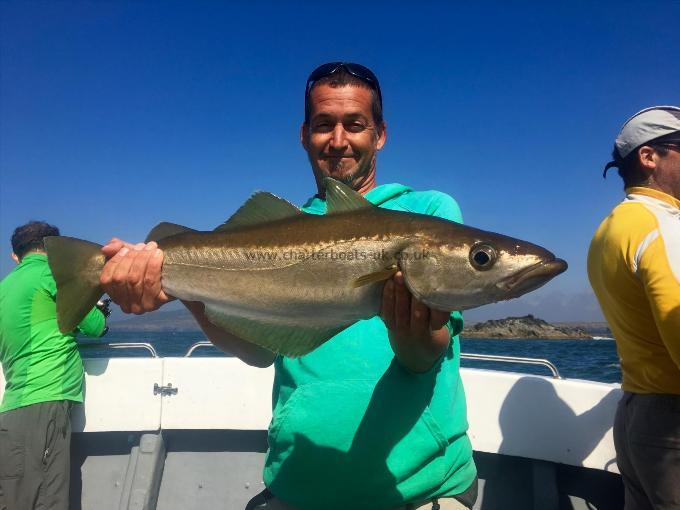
289, 281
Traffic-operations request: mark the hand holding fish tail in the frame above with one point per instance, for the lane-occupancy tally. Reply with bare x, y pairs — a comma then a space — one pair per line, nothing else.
418, 334
132, 276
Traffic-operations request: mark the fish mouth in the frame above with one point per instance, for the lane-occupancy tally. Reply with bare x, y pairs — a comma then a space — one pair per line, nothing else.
532, 277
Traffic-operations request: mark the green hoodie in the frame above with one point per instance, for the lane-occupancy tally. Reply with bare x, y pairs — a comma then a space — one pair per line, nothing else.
40, 364
351, 426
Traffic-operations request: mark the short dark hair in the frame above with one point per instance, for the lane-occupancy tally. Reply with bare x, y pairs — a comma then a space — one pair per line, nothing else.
29, 237
629, 167
341, 78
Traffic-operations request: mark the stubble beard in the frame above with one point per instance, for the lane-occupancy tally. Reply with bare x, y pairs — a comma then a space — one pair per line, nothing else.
350, 178
346, 178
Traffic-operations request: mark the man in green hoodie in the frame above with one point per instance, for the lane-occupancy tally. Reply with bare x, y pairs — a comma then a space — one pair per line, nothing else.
44, 376
376, 417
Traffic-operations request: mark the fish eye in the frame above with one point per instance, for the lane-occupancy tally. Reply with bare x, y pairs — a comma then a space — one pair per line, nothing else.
483, 256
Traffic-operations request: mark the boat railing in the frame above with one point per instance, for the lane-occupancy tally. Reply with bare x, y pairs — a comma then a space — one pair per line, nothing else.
198, 345
120, 345
481, 357
204, 343
514, 359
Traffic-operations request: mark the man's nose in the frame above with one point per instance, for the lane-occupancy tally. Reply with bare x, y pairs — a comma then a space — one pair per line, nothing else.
339, 136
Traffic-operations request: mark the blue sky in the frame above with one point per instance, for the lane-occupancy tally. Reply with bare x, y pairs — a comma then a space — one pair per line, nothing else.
117, 115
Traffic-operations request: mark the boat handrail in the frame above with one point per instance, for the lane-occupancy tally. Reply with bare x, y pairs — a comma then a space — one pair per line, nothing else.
482, 357
198, 345
121, 345
514, 359
205, 343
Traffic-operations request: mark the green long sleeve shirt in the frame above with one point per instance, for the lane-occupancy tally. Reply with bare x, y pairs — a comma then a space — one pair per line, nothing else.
40, 364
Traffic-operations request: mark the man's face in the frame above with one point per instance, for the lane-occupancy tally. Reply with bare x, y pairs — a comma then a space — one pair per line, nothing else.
668, 172
342, 139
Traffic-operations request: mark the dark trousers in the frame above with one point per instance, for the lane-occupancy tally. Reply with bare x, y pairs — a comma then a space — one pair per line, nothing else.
35, 444
647, 441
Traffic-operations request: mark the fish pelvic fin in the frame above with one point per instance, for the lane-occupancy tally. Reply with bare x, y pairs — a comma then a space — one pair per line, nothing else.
76, 266
342, 198
285, 339
165, 229
378, 276
260, 208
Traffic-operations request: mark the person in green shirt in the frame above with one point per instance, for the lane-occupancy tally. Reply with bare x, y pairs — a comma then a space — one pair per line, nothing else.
376, 417
44, 376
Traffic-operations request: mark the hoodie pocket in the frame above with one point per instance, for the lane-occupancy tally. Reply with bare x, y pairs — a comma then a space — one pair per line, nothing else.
340, 434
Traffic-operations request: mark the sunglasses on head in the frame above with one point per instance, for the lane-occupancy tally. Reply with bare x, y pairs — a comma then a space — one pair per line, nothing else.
356, 70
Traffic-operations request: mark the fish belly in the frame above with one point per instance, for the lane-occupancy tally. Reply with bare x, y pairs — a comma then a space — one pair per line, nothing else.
299, 285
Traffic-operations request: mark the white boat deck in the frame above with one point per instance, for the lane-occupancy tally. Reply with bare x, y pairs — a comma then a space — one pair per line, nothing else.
214, 428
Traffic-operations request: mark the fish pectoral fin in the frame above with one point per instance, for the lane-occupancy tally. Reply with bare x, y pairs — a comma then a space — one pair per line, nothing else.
165, 229
378, 276
262, 207
342, 198
288, 340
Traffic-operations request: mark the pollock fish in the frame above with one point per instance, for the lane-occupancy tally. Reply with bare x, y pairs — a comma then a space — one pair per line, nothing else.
289, 281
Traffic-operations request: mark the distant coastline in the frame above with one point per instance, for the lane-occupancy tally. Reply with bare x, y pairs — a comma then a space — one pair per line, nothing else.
526, 327
529, 327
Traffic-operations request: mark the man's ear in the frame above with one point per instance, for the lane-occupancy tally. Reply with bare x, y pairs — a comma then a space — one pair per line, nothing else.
304, 136
382, 137
647, 158
14, 257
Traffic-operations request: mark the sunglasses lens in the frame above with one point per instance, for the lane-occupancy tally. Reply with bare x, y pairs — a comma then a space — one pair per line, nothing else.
363, 73
323, 70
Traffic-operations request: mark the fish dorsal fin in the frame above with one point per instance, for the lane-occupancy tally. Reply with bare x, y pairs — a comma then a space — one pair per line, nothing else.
262, 207
342, 198
165, 229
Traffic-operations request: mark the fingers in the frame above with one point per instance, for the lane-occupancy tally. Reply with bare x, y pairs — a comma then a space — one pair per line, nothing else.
111, 281
402, 304
402, 312
420, 317
438, 319
415, 331
114, 246
153, 295
395, 310
132, 277
387, 306
136, 278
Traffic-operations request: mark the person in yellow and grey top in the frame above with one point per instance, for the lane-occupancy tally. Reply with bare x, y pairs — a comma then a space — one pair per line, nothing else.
634, 268
44, 375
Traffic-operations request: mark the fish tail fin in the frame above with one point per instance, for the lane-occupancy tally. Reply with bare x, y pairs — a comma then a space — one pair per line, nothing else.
76, 266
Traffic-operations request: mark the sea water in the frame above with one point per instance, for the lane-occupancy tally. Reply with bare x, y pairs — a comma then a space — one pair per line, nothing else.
595, 360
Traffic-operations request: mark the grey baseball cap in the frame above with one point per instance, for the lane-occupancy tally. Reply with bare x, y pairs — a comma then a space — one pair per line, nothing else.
643, 127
